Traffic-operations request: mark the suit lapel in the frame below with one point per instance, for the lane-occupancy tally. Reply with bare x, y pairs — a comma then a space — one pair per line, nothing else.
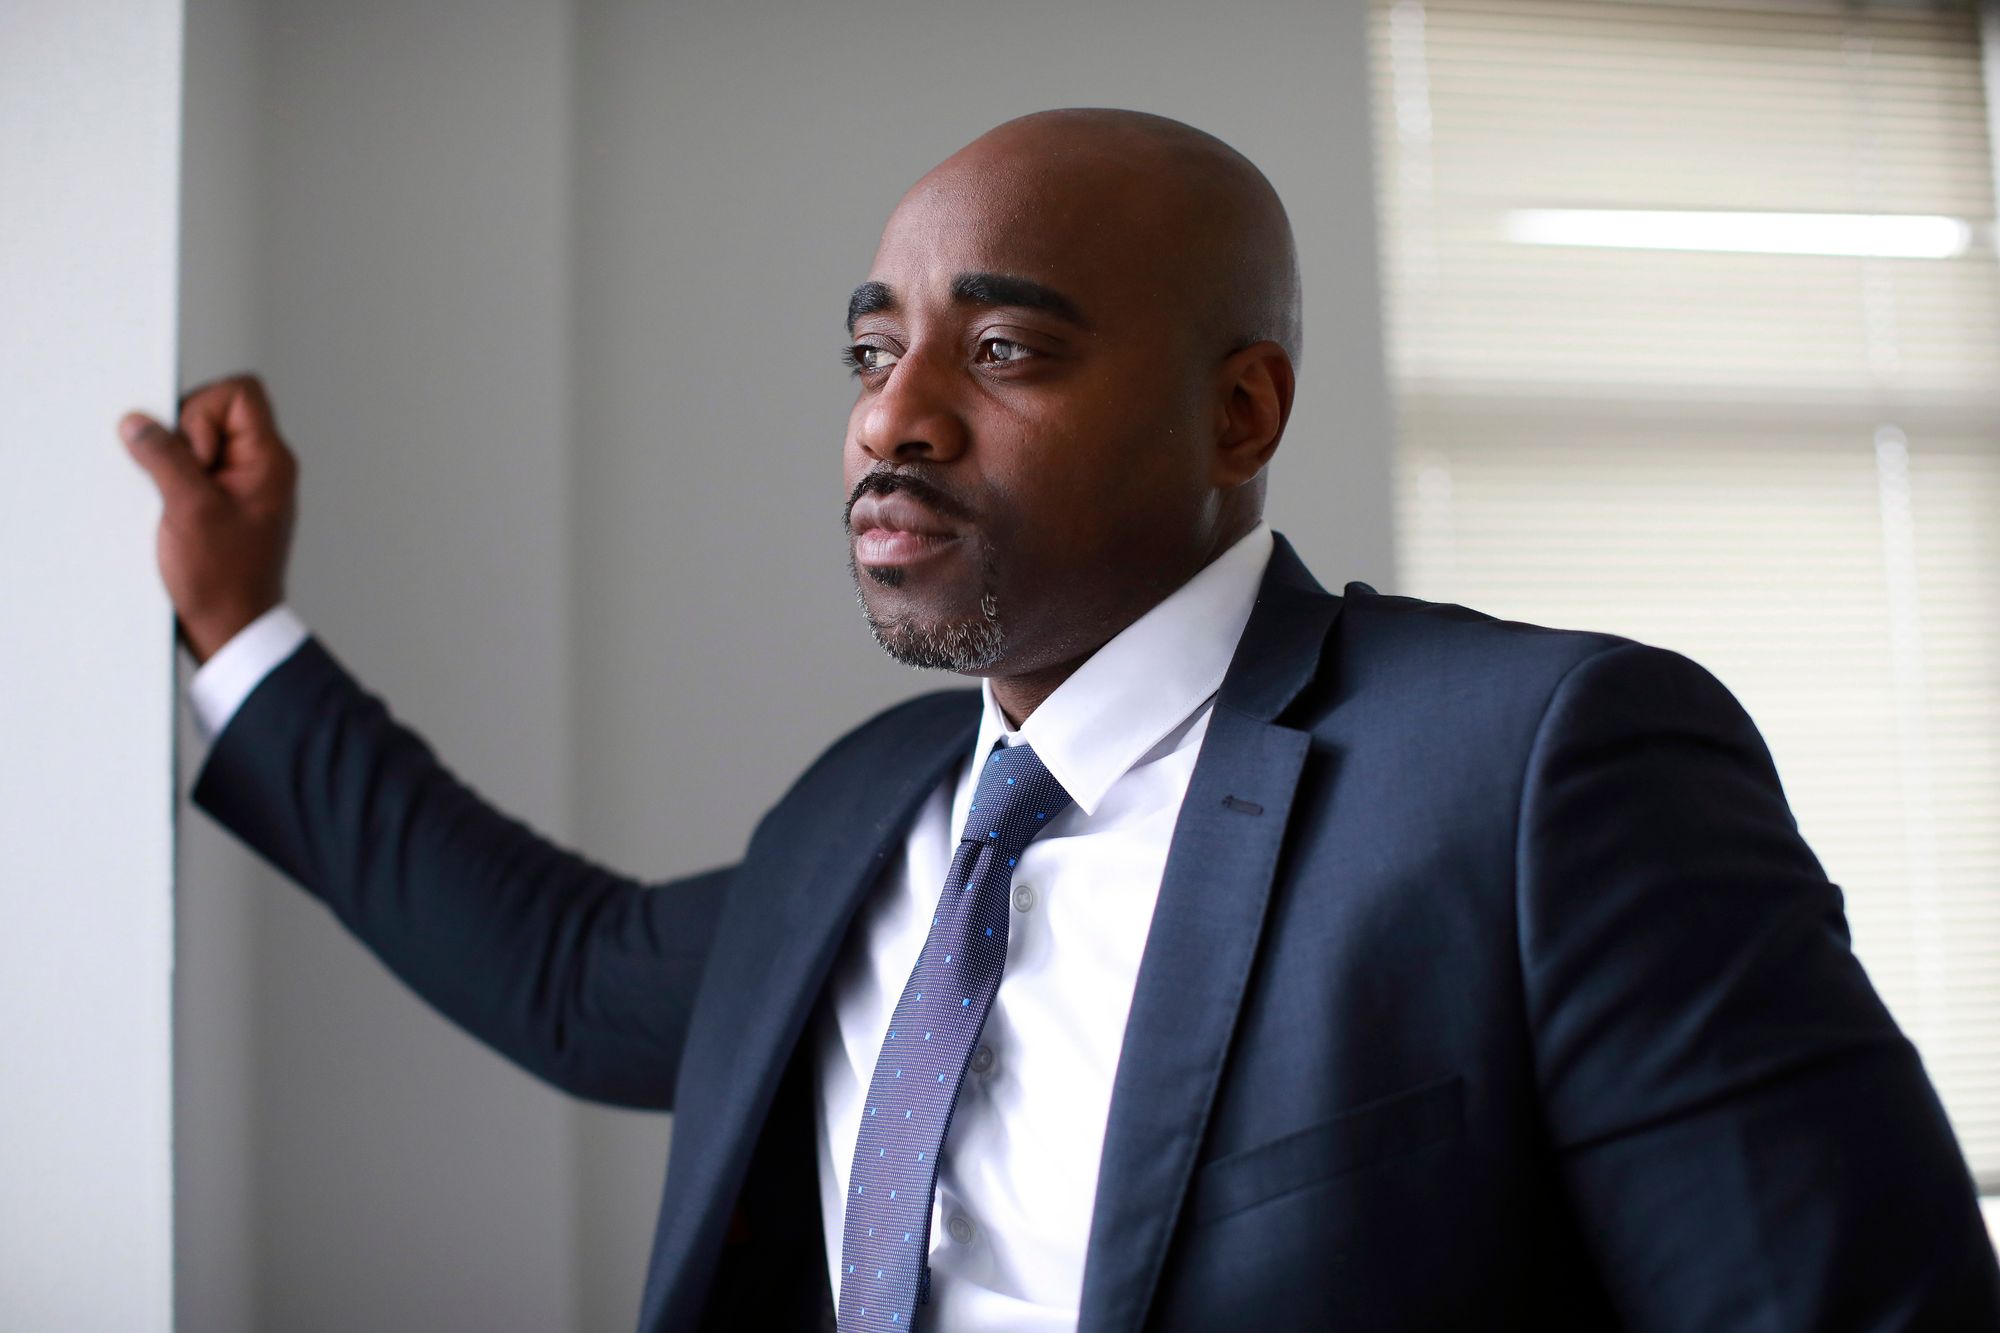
818, 906
773, 988
1203, 942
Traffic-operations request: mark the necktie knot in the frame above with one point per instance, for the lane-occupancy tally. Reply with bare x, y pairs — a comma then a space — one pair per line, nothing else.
1015, 800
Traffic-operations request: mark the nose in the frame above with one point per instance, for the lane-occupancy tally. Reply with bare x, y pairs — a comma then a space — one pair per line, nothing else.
914, 414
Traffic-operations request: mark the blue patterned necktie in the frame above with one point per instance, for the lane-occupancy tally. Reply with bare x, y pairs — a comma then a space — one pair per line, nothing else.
885, 1244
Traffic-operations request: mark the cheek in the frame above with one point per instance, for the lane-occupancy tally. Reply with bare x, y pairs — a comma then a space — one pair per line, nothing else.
1059, 501
1139, 462
1148, 422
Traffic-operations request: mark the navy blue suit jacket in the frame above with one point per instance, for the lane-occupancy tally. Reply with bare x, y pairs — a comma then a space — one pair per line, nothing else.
1490, 986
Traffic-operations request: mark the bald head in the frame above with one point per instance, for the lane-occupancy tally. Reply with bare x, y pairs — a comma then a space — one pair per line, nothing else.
1074, 354
1176, 208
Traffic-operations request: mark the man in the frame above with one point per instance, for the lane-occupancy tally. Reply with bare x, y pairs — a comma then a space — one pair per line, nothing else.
1238, 955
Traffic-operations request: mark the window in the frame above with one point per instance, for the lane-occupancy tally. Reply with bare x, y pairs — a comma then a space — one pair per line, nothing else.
1694, 324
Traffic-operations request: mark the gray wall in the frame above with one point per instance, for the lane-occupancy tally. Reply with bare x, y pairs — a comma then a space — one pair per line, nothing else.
548, 300
217, 886
411, 320
377, 204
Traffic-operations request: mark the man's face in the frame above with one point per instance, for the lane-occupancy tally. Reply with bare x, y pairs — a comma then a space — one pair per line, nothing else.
1025, 460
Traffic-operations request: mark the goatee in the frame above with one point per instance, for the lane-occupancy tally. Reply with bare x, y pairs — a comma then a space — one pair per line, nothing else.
967, 646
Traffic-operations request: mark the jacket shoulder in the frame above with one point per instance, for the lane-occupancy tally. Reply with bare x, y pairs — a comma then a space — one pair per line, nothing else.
1415, 625
1472, 682
1451, 664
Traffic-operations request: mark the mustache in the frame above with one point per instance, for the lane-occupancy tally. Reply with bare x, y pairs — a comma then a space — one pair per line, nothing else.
886, 480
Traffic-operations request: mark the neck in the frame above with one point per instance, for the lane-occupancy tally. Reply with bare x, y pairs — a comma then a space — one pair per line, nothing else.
1020, 693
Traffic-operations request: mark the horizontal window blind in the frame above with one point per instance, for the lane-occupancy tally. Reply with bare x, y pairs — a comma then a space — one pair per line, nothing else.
1625, 404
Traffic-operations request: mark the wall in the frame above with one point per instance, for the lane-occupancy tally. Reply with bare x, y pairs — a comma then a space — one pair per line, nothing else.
411, 317
217, 883
87, 262
548, 300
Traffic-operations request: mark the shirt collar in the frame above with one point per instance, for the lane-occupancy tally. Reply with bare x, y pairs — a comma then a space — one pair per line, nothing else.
1142, 685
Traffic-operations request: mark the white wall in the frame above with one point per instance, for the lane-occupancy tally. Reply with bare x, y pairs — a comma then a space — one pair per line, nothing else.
544, 298
87, 265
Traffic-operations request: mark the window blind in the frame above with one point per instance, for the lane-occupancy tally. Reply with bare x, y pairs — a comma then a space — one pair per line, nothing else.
1694, 321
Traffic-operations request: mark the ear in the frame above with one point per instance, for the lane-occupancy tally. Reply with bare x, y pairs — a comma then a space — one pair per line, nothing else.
1253, 403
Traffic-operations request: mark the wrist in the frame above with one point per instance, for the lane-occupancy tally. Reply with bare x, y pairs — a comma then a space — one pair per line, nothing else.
205, 634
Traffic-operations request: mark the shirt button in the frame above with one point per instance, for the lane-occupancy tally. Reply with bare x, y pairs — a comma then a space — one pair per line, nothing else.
982, 1059
1024, 897
960, 1228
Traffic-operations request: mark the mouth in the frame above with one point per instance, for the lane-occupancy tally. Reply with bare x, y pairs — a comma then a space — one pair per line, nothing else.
897, 530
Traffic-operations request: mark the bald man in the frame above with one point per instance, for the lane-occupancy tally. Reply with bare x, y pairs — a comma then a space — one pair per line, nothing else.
1236, 955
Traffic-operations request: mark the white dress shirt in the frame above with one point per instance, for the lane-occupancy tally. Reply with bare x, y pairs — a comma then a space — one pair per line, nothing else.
1018, 1176
221, 684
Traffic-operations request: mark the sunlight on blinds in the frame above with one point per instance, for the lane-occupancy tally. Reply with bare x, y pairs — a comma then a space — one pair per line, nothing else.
1781, 457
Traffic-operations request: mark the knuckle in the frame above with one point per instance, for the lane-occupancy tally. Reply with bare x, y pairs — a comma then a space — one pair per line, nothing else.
201, 392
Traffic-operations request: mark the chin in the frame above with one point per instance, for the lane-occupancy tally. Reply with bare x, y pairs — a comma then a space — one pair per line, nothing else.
969, 642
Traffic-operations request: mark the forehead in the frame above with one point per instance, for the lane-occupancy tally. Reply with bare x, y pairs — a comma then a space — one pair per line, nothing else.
1069, 229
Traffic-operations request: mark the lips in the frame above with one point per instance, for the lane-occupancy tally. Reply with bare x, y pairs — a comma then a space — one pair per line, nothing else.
897, 529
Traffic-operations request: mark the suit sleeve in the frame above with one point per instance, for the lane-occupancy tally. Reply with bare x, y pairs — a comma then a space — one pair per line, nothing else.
582, 976
1748, 1140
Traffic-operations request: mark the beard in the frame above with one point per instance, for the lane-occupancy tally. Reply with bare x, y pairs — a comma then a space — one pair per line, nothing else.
967, 645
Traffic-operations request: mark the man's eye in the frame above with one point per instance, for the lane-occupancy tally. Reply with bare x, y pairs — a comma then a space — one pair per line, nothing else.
1002, 351
866, 358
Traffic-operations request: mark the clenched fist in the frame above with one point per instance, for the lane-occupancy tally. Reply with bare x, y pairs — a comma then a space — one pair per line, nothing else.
229, 490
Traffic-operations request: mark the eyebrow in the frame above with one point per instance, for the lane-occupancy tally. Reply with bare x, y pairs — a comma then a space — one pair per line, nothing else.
868, 299
981, 289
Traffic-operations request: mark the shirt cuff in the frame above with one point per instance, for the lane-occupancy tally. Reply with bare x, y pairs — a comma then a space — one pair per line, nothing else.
221, 684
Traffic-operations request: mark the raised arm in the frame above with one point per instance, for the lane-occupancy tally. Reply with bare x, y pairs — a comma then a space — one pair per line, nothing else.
1749, 1141
582, 976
